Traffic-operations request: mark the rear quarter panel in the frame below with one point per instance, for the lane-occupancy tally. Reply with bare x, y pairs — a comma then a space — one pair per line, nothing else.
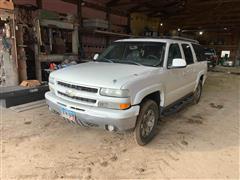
201, 70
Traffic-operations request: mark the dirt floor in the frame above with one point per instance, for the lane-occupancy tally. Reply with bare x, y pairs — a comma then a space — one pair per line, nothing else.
201, 141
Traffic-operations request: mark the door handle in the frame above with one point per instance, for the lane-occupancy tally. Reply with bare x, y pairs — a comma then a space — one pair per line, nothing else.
189, 70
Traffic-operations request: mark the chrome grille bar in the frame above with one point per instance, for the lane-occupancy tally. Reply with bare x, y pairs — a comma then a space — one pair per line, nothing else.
78, 98
81, 88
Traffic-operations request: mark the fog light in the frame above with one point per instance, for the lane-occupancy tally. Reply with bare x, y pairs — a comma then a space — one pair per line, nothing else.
110, 128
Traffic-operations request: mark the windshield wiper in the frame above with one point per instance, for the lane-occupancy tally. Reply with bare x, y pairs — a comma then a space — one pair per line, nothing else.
132, 62
109, 60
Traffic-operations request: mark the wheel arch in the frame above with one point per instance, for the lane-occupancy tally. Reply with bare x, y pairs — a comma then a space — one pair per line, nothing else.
201, 77
155, 93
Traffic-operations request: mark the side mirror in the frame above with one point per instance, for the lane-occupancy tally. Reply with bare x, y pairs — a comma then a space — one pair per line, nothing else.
179, 63
95, 57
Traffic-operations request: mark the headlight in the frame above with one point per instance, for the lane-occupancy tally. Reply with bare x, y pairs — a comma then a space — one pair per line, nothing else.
121, 93
51, 80
113, 105
51, 88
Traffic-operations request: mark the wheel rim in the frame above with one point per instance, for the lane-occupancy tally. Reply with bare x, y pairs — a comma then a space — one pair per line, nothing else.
147, 123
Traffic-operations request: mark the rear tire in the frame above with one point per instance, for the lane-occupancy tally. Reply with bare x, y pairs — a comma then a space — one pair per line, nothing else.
147, 121
198, 93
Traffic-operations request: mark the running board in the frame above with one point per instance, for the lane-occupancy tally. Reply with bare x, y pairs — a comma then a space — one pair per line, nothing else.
177, 106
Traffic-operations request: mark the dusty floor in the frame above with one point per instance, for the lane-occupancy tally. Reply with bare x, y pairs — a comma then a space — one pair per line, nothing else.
201, 141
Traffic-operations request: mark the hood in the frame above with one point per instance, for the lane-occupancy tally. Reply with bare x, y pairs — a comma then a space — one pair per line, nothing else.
100, 74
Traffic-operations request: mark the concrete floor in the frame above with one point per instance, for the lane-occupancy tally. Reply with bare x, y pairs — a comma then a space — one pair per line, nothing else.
201, 141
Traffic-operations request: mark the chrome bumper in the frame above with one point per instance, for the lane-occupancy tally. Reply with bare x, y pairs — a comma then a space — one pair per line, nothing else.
88, 116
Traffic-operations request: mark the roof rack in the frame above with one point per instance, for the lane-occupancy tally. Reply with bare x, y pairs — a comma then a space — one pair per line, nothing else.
180, 38
170, 37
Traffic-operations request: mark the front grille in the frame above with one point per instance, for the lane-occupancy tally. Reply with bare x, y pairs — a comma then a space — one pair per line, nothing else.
78, 98
81, 88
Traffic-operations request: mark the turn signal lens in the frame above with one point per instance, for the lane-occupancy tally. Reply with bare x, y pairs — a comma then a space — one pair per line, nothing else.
124, 106
113, 105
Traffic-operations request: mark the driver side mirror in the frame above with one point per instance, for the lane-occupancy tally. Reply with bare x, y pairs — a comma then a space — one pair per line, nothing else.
179, 63
95, 57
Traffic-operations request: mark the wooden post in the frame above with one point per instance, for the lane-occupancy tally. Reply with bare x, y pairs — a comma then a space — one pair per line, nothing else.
36, 51
39, 4
37, 46
108, 18
75, 40
8, 54
22, 64
129, 24
237, 57
79, 12
80, 21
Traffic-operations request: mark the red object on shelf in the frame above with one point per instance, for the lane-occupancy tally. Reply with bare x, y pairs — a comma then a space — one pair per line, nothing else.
52, 66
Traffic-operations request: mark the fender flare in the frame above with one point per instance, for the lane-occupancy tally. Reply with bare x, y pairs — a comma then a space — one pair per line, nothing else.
149, 90
200, 74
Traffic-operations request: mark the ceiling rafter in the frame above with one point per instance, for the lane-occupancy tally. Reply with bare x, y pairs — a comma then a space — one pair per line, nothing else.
177, 12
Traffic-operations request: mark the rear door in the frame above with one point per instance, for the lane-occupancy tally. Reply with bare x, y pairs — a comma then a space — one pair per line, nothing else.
190, 71
201, 60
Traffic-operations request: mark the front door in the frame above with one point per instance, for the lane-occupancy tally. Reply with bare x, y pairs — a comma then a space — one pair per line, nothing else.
175, 79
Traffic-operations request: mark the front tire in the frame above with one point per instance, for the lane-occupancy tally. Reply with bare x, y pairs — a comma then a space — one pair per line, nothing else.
147, 121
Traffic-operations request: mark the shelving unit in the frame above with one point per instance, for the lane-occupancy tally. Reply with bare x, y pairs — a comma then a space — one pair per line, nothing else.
95, 40
58, 56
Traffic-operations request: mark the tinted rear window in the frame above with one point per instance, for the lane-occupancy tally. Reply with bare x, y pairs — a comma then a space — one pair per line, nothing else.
188, 53
199, 51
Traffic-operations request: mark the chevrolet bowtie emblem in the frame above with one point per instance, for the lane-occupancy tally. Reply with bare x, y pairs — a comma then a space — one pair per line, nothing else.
70, 93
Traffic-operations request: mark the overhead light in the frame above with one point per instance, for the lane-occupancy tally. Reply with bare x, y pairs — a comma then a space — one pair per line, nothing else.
225, 28
83, 3
200, 33
161, 24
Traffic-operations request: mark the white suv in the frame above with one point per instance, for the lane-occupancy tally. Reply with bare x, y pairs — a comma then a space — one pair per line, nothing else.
129, 85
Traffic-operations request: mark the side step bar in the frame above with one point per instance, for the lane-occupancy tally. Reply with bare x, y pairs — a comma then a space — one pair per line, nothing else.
177, 106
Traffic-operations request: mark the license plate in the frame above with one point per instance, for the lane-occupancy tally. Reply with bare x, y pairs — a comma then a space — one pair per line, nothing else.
70, 115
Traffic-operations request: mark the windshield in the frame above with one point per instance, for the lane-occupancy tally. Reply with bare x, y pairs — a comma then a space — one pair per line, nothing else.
136, 53
209, 51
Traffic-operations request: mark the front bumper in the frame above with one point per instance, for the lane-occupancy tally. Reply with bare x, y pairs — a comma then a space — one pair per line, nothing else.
94, 116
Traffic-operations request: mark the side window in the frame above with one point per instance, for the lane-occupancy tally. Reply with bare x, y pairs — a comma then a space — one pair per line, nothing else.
199, 50
174, 52
188, 53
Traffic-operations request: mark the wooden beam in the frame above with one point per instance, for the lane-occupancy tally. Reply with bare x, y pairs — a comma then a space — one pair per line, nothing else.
211, 21
132, 2
112, 3
209, 2
139, 5
214, 16
209, 25
164, 8
97, 7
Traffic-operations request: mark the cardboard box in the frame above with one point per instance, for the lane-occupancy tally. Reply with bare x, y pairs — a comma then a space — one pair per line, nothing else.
30, 83
6, 4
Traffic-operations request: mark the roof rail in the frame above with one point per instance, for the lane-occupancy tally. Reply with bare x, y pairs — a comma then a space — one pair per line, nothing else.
169, 37
180, 38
